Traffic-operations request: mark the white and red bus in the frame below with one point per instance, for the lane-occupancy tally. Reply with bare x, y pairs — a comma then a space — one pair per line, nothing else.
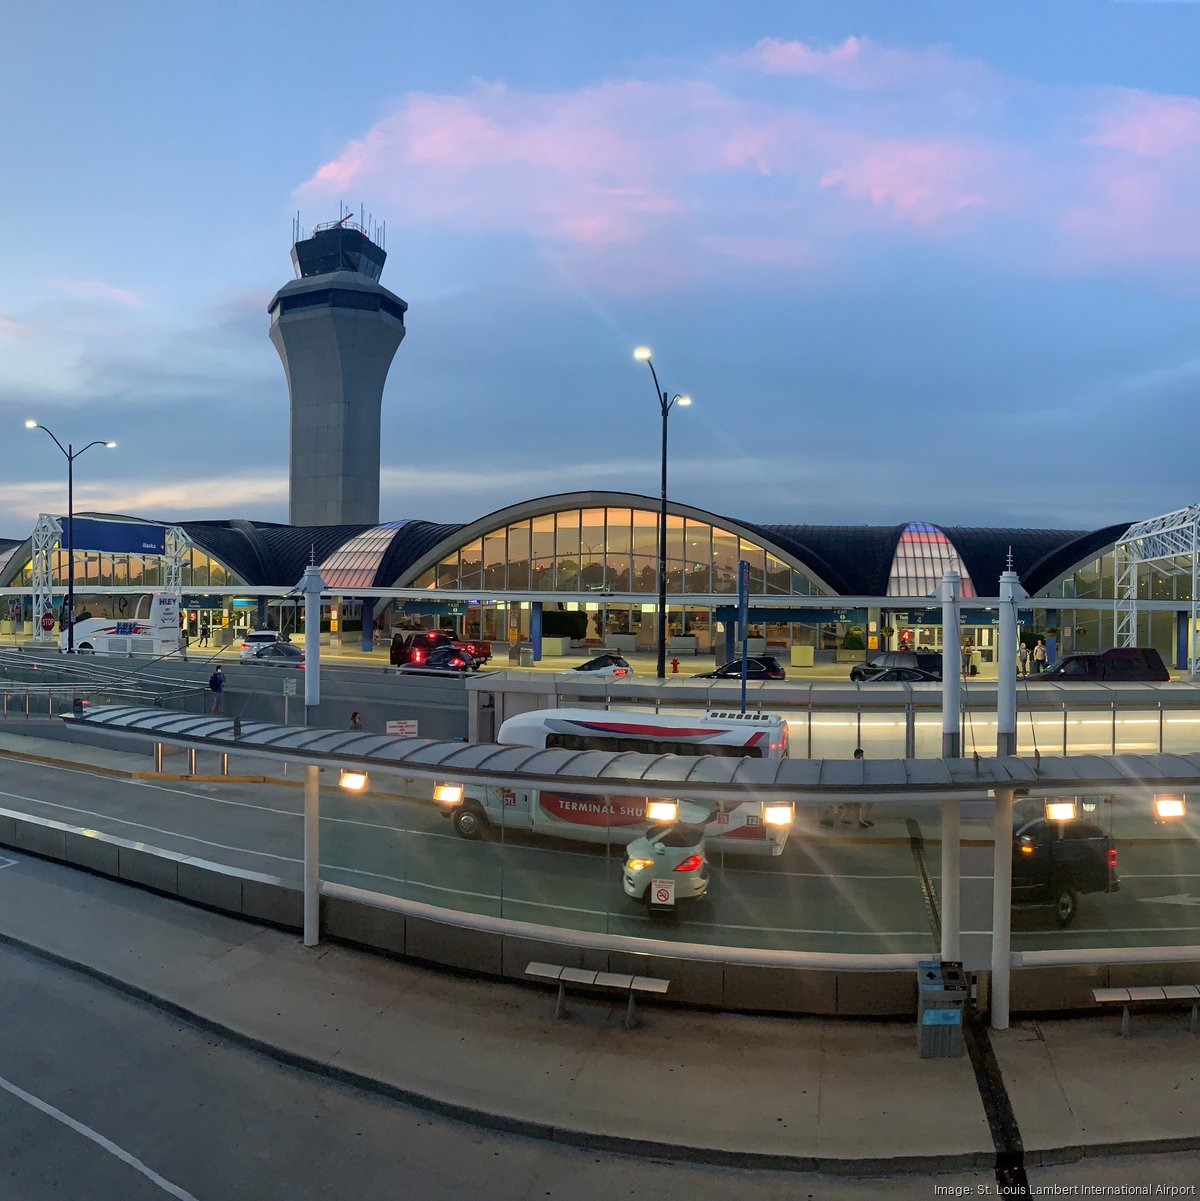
152, 629
732, 828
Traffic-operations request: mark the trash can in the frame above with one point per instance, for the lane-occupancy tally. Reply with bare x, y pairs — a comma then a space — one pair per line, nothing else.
526, 658
941, 998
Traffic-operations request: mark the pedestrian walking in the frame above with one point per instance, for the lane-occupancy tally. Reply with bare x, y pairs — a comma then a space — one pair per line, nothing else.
968, 648
1039, 657
204, 633
183, 642
1023, 660
216, 685
356, 720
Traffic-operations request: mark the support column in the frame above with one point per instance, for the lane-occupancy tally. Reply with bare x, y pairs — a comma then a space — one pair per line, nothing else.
1052, 641
951, 880
368, 624
312, 870
312, 585
1182, 651
535, 630
1002, 833
261, 619
730, 643
1006, 662
951, 668
191, 760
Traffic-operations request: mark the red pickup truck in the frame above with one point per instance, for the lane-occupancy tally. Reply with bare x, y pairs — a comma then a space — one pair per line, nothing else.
412, 648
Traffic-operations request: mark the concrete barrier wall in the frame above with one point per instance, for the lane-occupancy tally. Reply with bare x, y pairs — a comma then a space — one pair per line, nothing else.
708, 982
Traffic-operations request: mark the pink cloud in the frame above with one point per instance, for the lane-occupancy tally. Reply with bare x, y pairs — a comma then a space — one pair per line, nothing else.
921, 182
9, 328
860, 64
1150, 126
96, 289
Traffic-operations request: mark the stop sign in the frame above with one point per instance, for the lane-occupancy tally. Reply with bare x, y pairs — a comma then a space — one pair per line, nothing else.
47, 622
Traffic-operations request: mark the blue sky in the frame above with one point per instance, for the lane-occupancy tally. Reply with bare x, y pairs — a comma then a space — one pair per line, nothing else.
914, 262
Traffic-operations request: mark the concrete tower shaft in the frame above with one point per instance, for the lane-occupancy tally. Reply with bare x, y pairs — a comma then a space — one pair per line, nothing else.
336, 330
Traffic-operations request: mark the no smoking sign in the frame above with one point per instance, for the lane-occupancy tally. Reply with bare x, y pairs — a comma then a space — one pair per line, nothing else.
662, 892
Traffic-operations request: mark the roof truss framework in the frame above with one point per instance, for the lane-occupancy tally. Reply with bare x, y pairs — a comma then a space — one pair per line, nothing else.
47, 536
1167, 544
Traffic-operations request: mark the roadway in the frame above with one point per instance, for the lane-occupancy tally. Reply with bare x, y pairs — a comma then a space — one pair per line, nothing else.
842, 890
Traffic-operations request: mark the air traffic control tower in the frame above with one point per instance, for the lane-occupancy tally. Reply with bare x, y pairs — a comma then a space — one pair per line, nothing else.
336, 328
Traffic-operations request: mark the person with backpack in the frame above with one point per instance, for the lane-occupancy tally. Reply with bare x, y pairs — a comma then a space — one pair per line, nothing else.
216, 685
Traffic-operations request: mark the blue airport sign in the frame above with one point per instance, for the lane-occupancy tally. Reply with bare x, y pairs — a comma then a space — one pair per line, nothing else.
119, 537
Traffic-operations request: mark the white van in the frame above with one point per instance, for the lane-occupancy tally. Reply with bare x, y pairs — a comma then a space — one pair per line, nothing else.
153, 630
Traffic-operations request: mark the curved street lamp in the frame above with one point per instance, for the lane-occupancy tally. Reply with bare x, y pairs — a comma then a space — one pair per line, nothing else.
643, 355
70, 454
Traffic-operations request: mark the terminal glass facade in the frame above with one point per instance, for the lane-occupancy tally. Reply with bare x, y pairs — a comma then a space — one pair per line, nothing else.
105, 569
615, 550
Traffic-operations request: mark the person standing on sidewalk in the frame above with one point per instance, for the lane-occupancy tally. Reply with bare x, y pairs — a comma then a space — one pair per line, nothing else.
216, 685
1023, 659
356, 720
1039, 657
204, 633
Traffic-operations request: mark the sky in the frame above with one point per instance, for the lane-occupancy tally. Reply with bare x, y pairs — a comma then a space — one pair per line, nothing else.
913, 262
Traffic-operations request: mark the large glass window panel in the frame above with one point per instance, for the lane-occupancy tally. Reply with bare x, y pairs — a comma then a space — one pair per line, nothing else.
495, 558
698, 541
518, 556
645, 533
566, 535
618, 539
725, 561
566, 574
779, 575
591, 548
427, 579
120, 570
645, 574
448, 572
135, 570
543, 541
757, 558
199, 568
472, 565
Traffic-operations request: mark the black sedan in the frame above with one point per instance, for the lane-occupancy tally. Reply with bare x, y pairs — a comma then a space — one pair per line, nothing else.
602, 667
758, 667
901, 675
443, 658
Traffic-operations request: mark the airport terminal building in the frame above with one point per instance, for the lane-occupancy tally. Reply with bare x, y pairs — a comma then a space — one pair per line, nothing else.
497, 577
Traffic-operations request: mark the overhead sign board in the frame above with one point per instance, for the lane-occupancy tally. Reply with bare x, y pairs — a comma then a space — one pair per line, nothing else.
120, 537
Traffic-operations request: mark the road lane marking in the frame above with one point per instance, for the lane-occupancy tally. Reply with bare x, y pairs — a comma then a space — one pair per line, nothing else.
108, 1145
7, 863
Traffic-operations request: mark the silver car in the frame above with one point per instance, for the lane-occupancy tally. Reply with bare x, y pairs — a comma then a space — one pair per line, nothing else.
674, 853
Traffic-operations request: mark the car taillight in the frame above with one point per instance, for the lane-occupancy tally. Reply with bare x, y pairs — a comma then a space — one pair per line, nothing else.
1112, 858
690, 864
457, 662
245, 646
620, 671
418, 656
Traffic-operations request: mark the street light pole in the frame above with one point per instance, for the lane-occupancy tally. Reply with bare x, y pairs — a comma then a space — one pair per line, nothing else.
642, 353
70, 454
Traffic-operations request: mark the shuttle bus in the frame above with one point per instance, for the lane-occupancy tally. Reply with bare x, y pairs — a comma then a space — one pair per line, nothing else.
732, 828
151, 629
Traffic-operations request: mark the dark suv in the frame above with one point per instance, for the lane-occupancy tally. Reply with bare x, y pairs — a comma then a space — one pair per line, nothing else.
930, 661
1127, 664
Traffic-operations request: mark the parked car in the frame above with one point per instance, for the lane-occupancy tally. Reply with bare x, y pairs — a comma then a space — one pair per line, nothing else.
254, 640
1119, 664
930, 661
412, 648
901, 675
1054, 862
281, 654
758, 667
444, 658
602, 667
675, 852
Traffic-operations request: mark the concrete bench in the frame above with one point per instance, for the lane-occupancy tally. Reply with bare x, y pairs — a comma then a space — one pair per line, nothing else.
602, 981
1148, 994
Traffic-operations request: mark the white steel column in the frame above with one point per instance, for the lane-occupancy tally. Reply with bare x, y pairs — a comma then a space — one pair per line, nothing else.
951, 880
1002, 833
951, 667
1006, 651
312, 869
312, 585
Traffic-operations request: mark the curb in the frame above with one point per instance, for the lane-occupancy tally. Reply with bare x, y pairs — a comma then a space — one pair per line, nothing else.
614, 1143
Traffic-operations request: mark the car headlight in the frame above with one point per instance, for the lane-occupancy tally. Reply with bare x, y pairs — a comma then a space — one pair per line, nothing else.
637, 865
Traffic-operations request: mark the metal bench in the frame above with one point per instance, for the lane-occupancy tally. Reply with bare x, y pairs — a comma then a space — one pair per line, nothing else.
604, 981
1148, 993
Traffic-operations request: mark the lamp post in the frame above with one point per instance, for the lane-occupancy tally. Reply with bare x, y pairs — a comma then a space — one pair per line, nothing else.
70, 454
642, 354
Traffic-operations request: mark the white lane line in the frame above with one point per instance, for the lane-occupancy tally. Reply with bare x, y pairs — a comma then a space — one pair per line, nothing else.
124, 1156
7, 863
108, 817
